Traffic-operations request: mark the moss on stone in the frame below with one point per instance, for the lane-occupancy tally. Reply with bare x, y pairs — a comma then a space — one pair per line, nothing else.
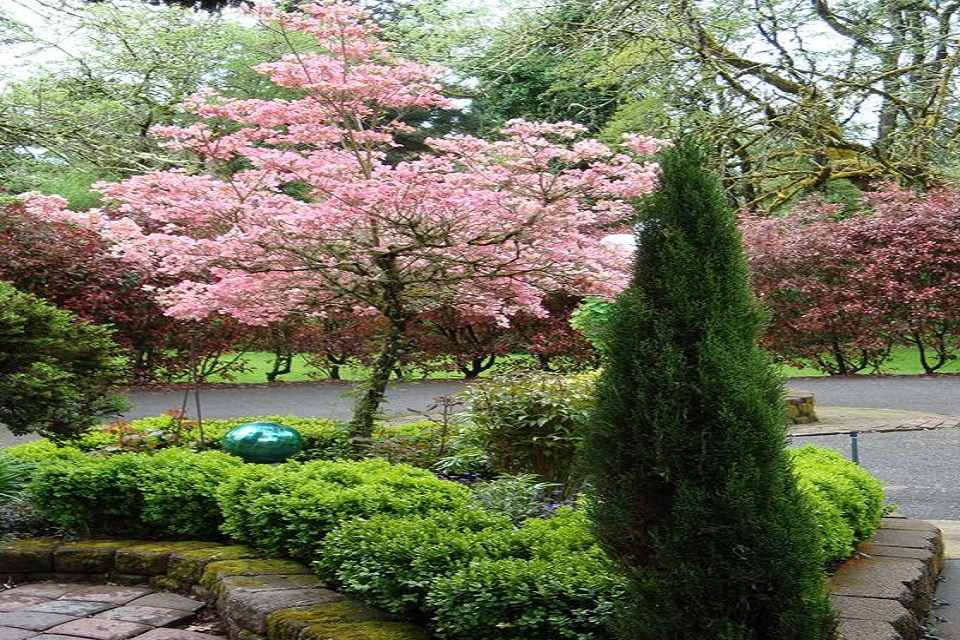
219, 586
214, 572
188, 566
364, 631
152, 558
345, 620
166, 583
27, 556
89, 556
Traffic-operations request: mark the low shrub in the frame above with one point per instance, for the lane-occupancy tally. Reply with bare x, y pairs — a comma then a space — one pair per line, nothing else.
517, 497
391, 561
532, 423
421, 443
44, 450
847, 501
288, 509
322, 438
14, 474
573, 597
568, 531
166, 495
396, 563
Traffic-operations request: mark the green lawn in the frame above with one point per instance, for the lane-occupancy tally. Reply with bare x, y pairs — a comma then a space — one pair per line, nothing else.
903, 362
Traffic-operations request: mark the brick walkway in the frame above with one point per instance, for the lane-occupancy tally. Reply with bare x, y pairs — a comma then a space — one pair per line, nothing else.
57, 611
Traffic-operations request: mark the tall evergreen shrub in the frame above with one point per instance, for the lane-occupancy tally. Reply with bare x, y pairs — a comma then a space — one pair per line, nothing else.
694, 497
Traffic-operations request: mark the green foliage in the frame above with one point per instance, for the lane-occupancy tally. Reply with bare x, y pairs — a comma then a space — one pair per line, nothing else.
847, 501
547, 576
323, 438
421, 443
44, 450
288, 509
591, 319
166, 495
692, 493
14, 474
56, 371
526, 599
518, 497
392, 561
532, 423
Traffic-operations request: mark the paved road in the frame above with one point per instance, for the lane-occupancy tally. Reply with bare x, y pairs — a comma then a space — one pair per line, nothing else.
921, 468
320, 399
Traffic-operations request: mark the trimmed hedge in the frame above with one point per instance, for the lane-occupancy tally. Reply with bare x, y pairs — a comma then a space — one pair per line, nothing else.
170, 494
322, 438
846, 500
526, 599
391, 561
470, 574
288, 509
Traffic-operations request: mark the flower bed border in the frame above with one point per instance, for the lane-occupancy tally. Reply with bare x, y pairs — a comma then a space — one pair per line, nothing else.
884, 593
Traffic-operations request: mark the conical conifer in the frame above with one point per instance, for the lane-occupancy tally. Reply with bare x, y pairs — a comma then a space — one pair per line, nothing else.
693, 495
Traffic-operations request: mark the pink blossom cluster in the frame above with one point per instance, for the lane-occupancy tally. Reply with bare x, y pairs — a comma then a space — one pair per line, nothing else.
489, 227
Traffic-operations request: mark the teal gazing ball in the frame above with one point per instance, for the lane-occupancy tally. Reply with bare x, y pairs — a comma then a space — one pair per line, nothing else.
262, 442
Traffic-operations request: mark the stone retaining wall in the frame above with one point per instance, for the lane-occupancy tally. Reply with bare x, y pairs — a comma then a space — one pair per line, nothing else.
257, 598
884, 593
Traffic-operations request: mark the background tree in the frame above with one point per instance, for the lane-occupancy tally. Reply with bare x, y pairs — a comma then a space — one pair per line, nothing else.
526, 70
85, 114
72, 268
693, 495
56, 371
844, 286
804, 270
487, 227
795, 98
110, 71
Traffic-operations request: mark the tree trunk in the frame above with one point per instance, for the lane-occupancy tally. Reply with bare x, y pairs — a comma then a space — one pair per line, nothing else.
396, 342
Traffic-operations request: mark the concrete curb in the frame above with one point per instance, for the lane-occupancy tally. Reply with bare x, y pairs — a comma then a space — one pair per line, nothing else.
884, 593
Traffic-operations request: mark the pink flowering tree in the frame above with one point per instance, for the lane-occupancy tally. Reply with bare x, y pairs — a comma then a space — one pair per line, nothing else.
299, 209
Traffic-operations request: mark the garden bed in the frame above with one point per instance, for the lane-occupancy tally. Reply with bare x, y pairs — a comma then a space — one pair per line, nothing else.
884, 593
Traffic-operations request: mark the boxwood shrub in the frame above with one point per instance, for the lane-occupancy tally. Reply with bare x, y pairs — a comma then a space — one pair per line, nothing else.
527, 599
391, 561
287, 509
473, 574
322, 438
170, 494
847, 501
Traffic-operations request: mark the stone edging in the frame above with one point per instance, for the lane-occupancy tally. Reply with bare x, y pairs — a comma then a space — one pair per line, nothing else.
887, 590
257, 598
884, 593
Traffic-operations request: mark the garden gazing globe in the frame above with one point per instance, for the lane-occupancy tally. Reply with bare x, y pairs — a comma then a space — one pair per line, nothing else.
262, 442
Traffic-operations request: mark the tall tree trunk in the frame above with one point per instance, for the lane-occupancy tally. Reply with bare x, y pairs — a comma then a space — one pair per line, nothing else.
396, 342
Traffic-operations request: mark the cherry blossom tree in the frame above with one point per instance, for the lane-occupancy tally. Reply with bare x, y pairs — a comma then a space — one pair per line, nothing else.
300, 208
